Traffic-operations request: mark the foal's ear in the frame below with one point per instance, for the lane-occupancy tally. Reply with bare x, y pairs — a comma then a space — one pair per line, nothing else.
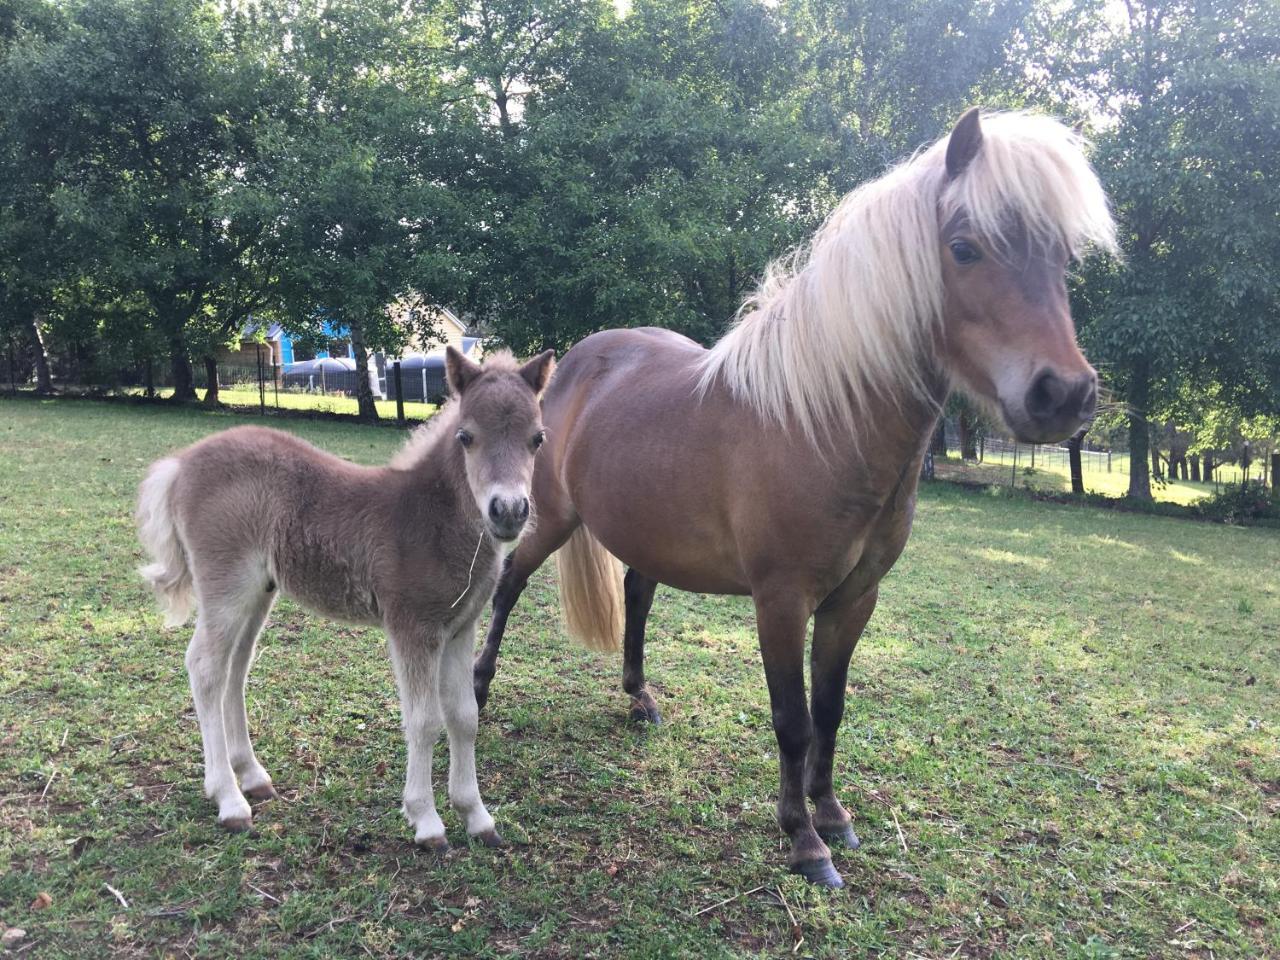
459, 371
537, 372
962, 147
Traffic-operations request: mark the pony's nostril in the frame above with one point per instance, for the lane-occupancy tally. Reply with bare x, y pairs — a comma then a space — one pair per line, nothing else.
495, 510
1046, 396
1089, 403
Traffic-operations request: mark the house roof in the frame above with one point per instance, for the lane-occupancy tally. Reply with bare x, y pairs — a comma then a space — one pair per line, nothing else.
252, 327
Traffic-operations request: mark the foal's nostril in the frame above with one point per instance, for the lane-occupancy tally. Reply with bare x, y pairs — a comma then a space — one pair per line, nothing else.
495, 510
522, 509
1046, 396
1089, 403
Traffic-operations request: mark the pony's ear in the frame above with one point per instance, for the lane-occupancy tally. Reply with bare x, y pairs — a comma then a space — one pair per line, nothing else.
537, 372
459, 371
966, 139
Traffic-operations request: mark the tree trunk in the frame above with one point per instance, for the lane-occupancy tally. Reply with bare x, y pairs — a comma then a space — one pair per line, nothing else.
183, 382
1077, 468
968, 439
1194, 459
1139, 438
44, 382
940, 438
1156, 473
1208, 467
368, 410
211, 388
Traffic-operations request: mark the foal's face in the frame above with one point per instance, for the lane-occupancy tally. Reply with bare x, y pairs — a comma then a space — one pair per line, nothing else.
500, 430
1008, 334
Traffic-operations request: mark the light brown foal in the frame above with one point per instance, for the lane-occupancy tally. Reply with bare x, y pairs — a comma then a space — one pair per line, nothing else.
783, 462
248, 514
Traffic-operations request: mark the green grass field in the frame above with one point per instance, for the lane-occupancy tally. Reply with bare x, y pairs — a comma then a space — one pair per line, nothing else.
247, 397
1053, 475
1061, 741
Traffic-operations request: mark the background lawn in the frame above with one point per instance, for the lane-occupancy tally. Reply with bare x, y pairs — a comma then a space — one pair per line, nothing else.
1061, 741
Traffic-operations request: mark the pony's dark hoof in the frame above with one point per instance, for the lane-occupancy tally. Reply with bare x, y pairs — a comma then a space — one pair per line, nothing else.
437, 845
645, 712
844, 836
482, 693
236, 824
819, 872
264, 792
490, 839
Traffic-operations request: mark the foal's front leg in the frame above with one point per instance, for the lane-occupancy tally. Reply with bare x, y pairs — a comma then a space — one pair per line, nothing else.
458, 701
415, 656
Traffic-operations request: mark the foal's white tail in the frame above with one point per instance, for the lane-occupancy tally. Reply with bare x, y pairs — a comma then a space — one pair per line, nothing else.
169, 575
591, 591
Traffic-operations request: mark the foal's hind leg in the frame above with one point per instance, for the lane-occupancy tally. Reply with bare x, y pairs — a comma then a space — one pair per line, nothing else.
458, 702
835, 634
255, 782
639, 591
209, 669
415, 657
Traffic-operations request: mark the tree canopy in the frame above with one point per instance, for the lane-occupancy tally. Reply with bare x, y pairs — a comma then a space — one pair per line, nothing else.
548, 168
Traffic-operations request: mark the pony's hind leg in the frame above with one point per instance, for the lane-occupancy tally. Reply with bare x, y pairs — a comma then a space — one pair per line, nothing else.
638, 590
458, 701
835, 634
255, 782
209, 658
415, 657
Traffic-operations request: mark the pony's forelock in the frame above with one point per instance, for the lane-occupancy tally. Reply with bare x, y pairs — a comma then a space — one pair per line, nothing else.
847, 317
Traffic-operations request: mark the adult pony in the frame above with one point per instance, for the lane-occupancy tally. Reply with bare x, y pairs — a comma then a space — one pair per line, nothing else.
783, 462
250, 513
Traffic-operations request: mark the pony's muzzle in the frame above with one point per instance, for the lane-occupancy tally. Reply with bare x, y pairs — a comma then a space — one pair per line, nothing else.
507, 515
1056, 406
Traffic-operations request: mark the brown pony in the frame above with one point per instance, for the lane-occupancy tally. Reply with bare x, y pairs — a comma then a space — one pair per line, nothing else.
783, 462
247, 514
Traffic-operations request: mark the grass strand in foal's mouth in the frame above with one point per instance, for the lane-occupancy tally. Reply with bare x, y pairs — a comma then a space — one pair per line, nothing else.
1020, 651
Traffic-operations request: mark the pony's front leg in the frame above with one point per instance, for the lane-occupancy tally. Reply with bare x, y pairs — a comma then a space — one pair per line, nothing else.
415, 657
458, 700
835, 634
781, 625
209, 668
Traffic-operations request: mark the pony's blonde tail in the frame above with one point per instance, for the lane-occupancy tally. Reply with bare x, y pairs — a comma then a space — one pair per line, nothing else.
169, 575
591, 591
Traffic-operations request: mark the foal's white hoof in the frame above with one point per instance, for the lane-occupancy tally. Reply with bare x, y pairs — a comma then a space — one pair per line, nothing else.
263, 791
437, 845
236, 824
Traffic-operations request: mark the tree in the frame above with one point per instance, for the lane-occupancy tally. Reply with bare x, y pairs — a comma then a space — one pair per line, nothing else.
148, 116
1190, 93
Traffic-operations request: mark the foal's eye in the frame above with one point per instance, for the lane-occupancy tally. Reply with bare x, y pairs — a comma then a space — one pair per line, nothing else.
465, 438
965, 252
539, 438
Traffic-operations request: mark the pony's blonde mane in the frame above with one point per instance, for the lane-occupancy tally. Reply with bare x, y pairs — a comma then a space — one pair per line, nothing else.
850, 316
423, 439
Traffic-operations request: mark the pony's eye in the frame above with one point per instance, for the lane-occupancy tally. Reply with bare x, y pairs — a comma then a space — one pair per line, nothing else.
465, 438
965, 252
539, 438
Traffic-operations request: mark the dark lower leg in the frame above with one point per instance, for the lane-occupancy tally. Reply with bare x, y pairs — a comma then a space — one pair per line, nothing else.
510, 586
835, 635
639, 591
782, 649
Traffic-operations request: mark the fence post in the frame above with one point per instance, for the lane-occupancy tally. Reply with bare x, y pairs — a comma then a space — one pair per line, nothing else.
395, 373
262, 387
1013, 473
13, 375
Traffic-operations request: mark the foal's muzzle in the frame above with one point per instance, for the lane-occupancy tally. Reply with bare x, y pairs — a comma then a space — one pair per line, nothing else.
507, 515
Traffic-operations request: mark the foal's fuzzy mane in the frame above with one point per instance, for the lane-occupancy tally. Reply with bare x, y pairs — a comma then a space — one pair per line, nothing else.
423, 440
850, 315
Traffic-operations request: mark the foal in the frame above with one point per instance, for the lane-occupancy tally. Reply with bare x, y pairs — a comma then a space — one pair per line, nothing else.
416, 546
